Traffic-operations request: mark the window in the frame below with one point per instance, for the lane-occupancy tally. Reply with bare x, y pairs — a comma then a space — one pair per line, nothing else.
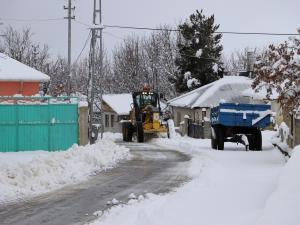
203, 113
106, 120
112, 118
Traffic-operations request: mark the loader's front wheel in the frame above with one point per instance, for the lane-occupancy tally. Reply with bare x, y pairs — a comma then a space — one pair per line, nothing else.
140, 132
127, 131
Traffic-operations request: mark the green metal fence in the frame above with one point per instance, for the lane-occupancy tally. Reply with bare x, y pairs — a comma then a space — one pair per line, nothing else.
28, 124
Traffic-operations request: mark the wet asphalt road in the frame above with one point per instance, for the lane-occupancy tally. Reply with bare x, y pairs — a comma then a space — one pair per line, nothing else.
151, 170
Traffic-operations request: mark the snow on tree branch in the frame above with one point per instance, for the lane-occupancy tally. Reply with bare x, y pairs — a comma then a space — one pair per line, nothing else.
278, 70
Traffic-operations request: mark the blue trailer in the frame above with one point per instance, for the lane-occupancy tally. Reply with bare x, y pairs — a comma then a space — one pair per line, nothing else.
239, 123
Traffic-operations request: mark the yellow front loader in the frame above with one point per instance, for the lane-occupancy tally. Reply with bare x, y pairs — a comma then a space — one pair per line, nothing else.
145, 116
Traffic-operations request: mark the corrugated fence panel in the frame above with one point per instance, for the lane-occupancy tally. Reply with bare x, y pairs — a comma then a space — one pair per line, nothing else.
8, 128
27, 127
64, 126
33, 127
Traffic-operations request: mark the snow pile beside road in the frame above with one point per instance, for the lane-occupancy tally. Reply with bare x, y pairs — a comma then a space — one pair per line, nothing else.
111, 136
42, 172
283, 206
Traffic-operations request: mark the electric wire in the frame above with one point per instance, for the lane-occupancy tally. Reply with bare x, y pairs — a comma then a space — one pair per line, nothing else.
84, 46
148, 28
217, 32
31, 20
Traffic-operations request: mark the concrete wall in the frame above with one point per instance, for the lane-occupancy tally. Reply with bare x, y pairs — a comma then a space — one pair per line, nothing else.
194, 114
83, 125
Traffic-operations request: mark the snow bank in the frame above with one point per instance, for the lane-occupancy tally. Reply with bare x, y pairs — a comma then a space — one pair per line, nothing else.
112, 136
283, 206
27, 174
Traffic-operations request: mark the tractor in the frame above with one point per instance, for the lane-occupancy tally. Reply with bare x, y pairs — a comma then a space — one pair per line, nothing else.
145, 116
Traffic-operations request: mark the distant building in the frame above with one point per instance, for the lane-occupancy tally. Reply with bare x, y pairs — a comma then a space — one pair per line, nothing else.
116, 107
17, 78
197, 103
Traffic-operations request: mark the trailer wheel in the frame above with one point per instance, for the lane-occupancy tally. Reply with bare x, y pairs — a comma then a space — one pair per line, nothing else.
213, 139
257, 140
140, 132
220, 136
127, 131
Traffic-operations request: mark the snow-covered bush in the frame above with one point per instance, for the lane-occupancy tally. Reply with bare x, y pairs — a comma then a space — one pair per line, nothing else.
278, 69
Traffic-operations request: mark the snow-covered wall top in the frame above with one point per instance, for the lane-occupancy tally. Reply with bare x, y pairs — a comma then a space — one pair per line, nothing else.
229, 88
13, 70
120, 103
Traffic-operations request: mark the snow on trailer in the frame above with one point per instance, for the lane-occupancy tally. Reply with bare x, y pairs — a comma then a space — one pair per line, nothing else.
240, 123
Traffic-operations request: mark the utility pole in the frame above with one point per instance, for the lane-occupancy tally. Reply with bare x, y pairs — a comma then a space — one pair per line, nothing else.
96, 35
69, 18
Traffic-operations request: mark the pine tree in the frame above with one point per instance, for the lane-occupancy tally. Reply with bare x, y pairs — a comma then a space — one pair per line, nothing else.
200, 50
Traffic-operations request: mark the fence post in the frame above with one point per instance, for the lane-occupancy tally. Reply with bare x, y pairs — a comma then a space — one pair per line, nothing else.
185, 129
83, 125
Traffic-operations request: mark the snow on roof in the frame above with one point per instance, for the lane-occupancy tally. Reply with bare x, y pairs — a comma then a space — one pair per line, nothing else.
229, 88
260, 94
120, 103
13, 70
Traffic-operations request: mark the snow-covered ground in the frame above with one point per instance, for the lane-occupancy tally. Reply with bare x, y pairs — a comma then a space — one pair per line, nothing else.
234, 187
27, 174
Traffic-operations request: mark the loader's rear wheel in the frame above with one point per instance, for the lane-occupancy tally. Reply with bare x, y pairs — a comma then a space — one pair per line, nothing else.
140, 132
127, 131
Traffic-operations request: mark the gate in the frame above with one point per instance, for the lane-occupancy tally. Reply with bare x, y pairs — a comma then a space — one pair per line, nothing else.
199, 130
28, 124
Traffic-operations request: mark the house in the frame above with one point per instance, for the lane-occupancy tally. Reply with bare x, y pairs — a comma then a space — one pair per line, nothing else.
116, 107
197, 103
17, 78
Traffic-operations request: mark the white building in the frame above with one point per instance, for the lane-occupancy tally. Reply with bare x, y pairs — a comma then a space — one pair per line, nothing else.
197, 103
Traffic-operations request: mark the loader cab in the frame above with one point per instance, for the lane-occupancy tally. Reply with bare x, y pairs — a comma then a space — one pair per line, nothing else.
142, 101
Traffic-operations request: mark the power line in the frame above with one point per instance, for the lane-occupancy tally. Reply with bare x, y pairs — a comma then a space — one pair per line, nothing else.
30, 20
82, 23
151, 29
113, 35
84, 46
217, 32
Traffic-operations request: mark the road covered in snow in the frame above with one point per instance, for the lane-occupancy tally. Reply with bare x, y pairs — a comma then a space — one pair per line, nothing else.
234, 187
150, 169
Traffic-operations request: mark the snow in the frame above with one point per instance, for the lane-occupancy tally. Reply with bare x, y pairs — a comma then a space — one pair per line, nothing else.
27, 174
120, 103
12, 70
228, 88
199, 53
231, 187
171, 126
260, 94
192, 82
215, 68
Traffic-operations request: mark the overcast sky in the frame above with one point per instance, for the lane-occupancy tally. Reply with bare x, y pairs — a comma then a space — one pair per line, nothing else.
233, 15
